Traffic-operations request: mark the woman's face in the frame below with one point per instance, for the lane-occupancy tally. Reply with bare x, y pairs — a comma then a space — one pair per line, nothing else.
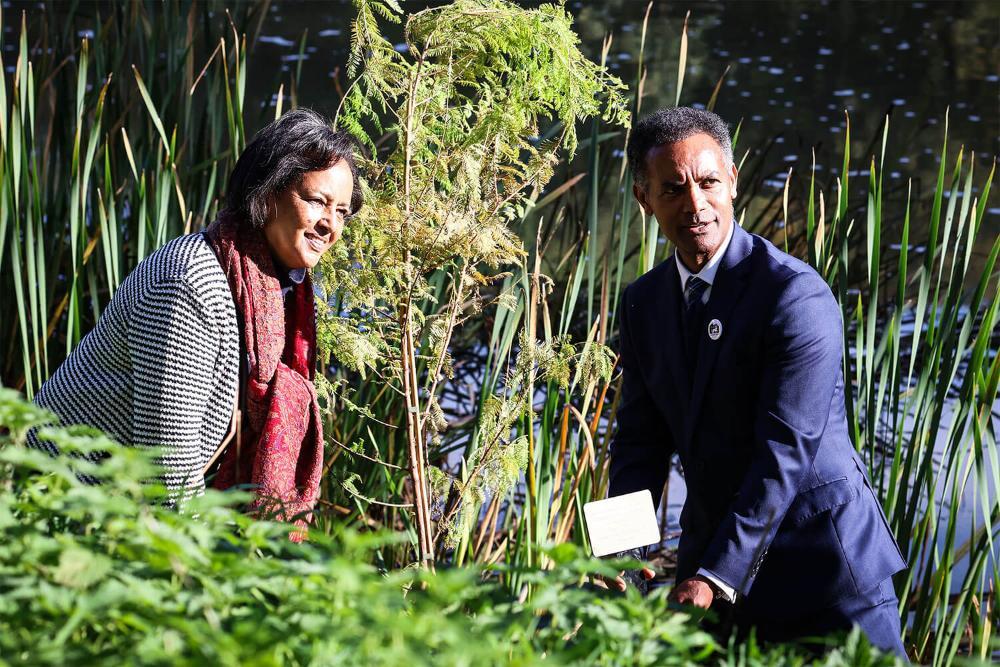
308, 217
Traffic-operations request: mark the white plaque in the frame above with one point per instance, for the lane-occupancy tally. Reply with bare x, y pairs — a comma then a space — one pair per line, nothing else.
621, 523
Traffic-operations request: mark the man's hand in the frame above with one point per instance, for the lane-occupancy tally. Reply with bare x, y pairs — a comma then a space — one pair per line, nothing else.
696, 591
618, 583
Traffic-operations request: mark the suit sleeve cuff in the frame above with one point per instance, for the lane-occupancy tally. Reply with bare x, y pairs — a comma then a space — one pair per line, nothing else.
728, 592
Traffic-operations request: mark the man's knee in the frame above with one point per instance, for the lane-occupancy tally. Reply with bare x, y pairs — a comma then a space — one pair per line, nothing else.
880, 622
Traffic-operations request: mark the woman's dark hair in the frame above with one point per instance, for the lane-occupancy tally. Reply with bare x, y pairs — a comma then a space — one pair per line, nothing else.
280, 153
668, 126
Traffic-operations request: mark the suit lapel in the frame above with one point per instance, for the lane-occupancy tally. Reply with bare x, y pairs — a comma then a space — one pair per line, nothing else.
726, 291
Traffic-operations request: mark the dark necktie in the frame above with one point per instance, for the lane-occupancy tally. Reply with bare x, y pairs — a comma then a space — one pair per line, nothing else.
694, 289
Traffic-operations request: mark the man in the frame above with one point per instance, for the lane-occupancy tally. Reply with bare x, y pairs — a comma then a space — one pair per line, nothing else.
731, 352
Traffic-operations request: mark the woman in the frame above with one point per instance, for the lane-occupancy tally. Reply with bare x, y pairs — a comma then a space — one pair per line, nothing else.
222, 317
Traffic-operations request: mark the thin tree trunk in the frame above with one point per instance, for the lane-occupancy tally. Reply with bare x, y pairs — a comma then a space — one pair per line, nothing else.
415, 444
414, 424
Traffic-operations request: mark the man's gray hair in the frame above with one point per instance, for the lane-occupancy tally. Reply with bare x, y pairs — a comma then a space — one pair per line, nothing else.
667, 126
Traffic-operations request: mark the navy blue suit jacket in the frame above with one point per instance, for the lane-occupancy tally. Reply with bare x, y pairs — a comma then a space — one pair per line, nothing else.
778, 503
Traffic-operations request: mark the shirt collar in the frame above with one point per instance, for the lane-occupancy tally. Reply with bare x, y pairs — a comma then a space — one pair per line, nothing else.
288, 278
708, 271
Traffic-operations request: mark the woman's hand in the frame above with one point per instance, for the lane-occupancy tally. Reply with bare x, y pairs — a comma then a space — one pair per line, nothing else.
618, 583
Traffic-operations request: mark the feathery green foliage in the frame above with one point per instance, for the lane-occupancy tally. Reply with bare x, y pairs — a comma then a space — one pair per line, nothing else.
465, 102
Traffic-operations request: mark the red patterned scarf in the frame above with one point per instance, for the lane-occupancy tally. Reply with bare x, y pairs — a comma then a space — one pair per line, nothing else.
281, 450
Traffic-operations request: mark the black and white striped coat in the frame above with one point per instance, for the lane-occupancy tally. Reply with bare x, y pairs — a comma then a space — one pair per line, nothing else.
161, 367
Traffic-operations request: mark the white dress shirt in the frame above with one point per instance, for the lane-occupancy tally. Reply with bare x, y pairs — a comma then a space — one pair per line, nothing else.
707, 274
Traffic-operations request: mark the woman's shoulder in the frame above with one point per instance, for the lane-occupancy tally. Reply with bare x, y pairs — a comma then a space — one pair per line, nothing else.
184, 269
182, 258
186, 260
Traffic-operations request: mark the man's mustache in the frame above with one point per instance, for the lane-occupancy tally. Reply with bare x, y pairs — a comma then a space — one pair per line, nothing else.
693, 221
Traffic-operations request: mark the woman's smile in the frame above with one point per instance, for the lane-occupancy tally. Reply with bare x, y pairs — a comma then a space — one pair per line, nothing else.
318, 244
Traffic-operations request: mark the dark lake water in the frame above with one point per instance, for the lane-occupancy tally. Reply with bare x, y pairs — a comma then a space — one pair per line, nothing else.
795, 68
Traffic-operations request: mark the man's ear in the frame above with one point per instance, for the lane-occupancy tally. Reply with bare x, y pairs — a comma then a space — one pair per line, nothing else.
640, 196
735, 174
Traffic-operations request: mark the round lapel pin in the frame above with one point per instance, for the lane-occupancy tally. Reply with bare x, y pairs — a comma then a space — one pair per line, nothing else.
715, 329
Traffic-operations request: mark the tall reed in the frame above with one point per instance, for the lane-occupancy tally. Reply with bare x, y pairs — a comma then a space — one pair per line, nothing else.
108, 152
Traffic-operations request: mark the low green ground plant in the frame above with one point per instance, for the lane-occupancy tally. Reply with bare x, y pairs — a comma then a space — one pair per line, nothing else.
106, 575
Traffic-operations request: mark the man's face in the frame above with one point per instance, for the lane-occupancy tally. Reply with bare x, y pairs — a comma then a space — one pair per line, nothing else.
690, 190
